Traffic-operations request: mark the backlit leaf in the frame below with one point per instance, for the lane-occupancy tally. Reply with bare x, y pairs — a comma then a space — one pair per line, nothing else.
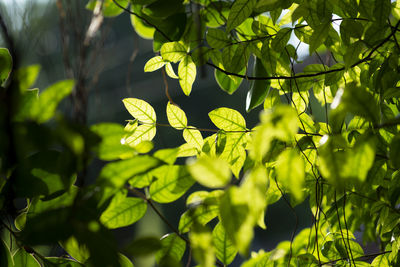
44, 109
217, 38
224, 248
176, 116
290, 172
228, 119
23, 258
154, 63
240, 10
193, 137
172, 246
123, 211
140, 109
210, 172
173, 52
5, 64
187, 74
170, 71
142, 133
172, 182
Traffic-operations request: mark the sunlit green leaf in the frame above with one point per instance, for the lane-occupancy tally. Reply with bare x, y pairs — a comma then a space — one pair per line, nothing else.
142, 133
26, 76
111, 146
75, 250
170, 71
123, 211
173, 52
44, 109
290, 172
210, 172
202, 246
154, 63
236, 219
5, 255
116, 174
228, 119
227, 83
176, 116
224, 248
172, 246
193, 137
172, 182
140, 109
217, 38
239, 11
187, 74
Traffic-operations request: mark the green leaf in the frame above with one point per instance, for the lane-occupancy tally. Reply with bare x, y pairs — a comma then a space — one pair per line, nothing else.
236, 219
187, 74
319, 36
154, 63
227, 83
290, 172
5, 255
75, 250
26, 76
359, 101
44, 109
168, 155
23, 258
281, 39
172, 182
201, 214
193, 137
210, 172
109, 9
217, 38
170, 71
60, 262
143, 246
141, 134
5, 64
116, 174
234, 151
259, 88
239, 12
172, 246
123, 211
110, 147
228, 119
353, 54
141, 28
173, 52
272, 99
225, 249
176, 116
201, 242
140, 109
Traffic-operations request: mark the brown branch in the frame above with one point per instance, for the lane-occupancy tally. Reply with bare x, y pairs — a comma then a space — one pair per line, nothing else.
367, 256
166, 86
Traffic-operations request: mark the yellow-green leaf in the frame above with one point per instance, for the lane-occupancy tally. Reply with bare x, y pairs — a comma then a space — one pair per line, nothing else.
172, 182
193, 137
228, 119
154, 63
173, 51
187, 74
170, 71
225, 249
210, 172
142, 133
176, 116
140, 110
290, 172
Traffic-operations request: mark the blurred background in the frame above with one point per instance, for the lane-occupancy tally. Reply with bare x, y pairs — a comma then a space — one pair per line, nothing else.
115, 71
